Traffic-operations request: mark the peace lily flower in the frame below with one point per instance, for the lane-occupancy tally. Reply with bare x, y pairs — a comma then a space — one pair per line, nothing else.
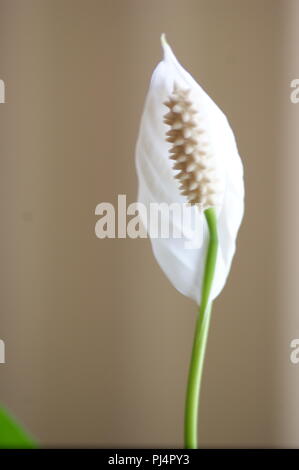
186, 153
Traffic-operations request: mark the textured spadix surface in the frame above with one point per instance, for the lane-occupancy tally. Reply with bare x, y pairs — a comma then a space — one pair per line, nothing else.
191, 150
183, 265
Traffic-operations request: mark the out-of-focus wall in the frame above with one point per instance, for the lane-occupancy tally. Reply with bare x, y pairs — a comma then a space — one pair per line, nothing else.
97, 340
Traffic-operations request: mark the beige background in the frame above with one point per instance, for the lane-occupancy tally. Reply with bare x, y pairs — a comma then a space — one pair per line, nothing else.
97, 340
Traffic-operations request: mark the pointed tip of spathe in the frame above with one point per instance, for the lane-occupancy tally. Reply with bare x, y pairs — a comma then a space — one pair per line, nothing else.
168, 54
165, 45
163, 40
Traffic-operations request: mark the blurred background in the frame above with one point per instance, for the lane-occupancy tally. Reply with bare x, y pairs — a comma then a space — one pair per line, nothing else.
97, 340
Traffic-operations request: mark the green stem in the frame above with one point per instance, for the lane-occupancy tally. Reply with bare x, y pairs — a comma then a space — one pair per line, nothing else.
201, 335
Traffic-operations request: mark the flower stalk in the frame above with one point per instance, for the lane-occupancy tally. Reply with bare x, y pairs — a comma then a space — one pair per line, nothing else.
201, 336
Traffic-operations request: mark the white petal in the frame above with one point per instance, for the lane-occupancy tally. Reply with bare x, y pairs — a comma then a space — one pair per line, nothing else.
184, 266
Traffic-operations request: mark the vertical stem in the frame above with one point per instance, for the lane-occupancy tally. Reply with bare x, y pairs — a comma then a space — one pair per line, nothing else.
201, 335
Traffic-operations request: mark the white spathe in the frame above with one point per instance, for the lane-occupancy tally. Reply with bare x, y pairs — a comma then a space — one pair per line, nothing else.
184, 266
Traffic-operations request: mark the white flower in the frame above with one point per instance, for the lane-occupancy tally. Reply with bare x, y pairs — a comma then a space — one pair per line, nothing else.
186, 152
